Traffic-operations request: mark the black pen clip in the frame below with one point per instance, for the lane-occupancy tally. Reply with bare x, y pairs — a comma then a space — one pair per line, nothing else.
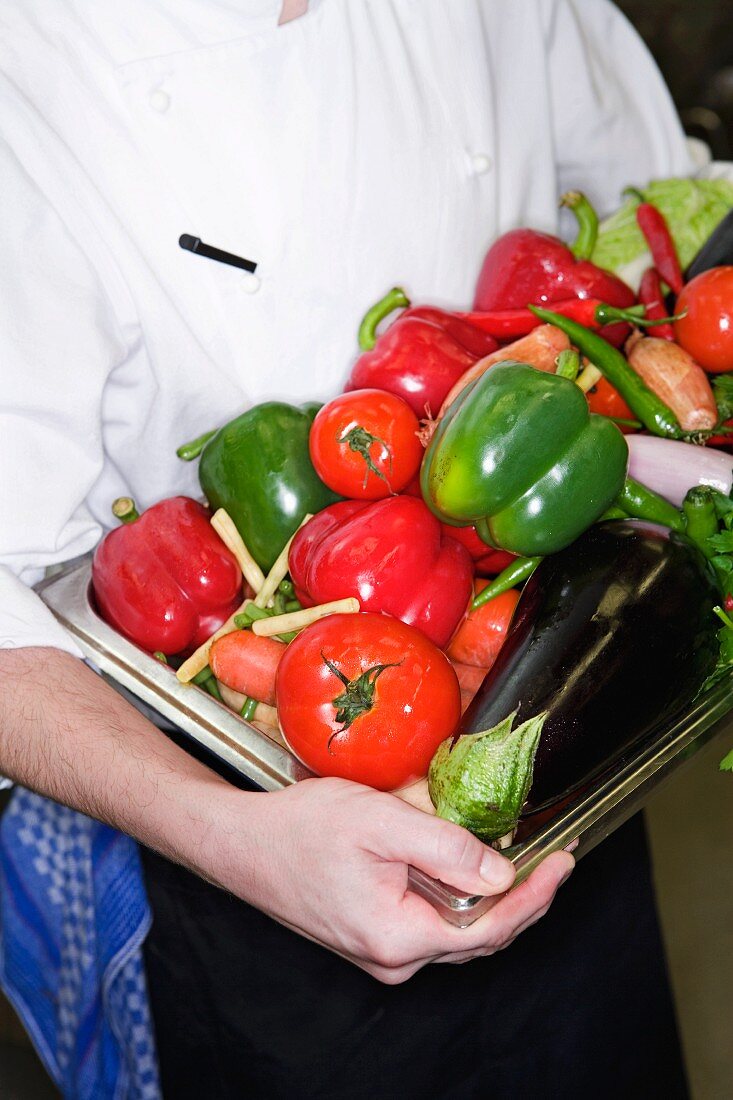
195, 244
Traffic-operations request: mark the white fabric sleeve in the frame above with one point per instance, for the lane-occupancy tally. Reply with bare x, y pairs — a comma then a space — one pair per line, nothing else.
59, 341
614, 121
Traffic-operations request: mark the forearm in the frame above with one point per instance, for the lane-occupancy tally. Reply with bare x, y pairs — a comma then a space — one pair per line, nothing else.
66, 734
325, 857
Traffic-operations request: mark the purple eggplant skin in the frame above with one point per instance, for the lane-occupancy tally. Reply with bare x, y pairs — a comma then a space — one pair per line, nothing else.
717, 250
612, 637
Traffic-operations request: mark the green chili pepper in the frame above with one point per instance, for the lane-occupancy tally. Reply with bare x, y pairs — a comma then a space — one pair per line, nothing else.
701, 519
515, 573
624, 422
639, 502
653, 413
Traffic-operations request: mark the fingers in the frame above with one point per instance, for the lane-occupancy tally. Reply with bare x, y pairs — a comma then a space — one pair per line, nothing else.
398, 950
443, 850
516, 912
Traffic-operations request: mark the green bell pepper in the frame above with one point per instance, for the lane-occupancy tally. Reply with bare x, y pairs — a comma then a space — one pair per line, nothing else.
258, 468
519, 455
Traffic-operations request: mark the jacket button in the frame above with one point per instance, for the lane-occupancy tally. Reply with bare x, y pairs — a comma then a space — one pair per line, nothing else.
159, 100
250, 282
481, 163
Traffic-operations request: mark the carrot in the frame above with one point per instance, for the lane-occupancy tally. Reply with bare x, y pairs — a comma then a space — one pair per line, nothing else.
481, 635
676, 378
247, 663
470, 679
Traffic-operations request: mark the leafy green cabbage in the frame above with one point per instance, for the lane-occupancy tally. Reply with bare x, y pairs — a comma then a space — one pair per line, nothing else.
692, 207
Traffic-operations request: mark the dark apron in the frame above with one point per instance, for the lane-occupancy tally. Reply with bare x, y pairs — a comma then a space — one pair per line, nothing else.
578, 1007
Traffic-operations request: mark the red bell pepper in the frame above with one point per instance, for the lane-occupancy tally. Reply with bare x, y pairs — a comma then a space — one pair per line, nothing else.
525, 267
165, 579
420, 356
392, 556
486, 561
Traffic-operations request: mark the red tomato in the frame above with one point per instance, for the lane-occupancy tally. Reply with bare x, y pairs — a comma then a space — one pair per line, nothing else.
480, 636
364, 444
706, 330
605, 399
367, 698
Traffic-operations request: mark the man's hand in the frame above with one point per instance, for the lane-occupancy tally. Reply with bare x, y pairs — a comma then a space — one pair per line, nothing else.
325, 857
330, 860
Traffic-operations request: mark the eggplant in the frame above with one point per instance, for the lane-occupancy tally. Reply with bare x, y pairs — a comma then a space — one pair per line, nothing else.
717, 250
612, 638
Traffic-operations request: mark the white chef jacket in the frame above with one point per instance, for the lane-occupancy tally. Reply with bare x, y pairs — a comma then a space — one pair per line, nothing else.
366, 143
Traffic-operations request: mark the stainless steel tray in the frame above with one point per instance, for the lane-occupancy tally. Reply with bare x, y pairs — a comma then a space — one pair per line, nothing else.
589, 816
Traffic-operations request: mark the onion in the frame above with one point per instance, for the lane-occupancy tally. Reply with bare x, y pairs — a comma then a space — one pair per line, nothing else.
674, 376
670, 467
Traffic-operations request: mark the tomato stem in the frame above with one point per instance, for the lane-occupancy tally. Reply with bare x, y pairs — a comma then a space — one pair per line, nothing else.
360, 442
358, 697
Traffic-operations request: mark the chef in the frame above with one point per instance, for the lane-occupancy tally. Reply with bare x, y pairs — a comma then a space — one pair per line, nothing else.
340, 146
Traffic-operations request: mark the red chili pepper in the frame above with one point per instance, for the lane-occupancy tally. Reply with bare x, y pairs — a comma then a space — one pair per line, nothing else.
650, 294
526, 267
420, 356
653, 225
165, 579
392, 555
722, 440
511, 324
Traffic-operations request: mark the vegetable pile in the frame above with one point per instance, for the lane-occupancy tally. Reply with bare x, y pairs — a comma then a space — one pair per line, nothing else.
503, 556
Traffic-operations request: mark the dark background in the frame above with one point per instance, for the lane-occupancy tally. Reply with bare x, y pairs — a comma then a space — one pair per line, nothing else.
692, 41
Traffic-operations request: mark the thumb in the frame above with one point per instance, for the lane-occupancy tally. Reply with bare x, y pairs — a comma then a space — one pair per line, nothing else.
447, 852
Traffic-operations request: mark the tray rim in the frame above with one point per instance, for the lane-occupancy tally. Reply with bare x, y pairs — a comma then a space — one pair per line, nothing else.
589, 817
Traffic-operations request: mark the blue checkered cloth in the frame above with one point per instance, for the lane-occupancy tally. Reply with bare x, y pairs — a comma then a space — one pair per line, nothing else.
73, 917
